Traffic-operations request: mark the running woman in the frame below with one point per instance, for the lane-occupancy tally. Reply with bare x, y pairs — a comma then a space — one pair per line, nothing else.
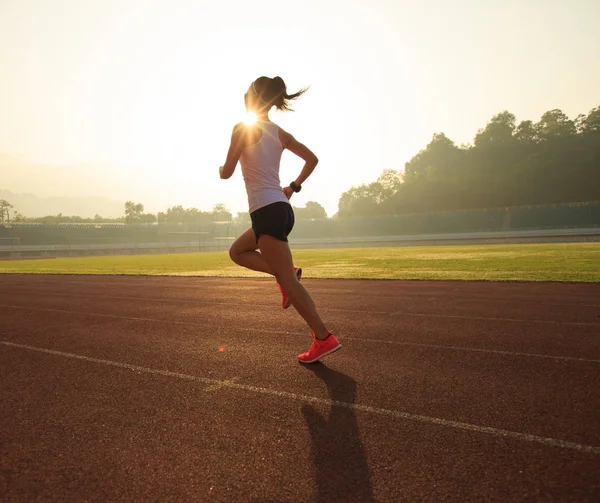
264, 247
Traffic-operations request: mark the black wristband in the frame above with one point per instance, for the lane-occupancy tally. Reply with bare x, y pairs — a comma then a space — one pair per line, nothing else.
295, 188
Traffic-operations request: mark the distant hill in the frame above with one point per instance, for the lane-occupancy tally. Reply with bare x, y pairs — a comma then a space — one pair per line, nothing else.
38, 190
31, 205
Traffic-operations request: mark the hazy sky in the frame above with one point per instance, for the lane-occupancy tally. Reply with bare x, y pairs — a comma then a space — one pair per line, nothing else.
141, 95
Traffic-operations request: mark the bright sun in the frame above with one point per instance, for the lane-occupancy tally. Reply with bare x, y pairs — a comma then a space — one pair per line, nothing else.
250, 118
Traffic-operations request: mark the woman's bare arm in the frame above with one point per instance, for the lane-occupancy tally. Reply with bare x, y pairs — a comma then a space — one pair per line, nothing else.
235, 151
302, 151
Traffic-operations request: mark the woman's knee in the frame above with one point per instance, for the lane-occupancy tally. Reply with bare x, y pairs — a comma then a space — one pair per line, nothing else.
233, 253
287, 281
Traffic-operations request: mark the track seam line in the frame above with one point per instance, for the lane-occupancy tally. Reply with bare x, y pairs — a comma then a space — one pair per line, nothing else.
393, 313
490, 318
396, 297
478, 350
154, 320
284, 332
525, 437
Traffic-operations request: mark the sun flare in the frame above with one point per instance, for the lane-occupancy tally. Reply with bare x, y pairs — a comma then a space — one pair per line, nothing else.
250, 118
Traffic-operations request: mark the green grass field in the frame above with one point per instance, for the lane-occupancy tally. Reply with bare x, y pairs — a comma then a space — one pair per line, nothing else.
536, 262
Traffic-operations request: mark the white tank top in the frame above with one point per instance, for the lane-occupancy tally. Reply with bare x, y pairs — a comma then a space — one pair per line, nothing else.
260, 168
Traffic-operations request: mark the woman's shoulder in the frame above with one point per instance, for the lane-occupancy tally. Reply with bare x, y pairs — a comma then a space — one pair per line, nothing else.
281, 133
284, 137
246, 134
240, 127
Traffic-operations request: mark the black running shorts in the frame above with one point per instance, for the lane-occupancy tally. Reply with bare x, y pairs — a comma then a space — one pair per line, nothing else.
276, 219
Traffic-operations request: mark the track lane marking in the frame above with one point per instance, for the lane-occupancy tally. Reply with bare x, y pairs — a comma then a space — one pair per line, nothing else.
339, 292
477, 350
388, 313
280, 332
496, 432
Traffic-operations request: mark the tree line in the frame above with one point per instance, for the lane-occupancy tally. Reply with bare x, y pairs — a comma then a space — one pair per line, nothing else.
220, 213
135, 214
553, 161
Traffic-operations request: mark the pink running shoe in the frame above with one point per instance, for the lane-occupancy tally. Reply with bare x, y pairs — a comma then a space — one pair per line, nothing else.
320, 348
285, 301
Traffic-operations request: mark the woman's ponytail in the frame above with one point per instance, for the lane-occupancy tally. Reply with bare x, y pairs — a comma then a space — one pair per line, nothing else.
273, 92
282, 98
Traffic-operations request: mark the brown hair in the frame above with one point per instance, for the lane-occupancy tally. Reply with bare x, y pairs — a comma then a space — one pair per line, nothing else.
273, 92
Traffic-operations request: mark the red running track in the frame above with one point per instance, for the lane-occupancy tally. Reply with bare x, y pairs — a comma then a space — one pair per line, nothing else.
188, 389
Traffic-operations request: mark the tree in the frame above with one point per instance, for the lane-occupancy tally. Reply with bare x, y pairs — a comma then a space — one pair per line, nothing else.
147, 218
312, 211
429, 177
315, 210
5, 208
390, 182
176, 214
243, 218
555, 123
590, 123
525, 132
180, 215
499, 130
360, 201
134, 214
221, 213
556, 160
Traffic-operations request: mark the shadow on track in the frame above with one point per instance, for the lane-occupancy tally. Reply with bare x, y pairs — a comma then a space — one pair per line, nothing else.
342, 471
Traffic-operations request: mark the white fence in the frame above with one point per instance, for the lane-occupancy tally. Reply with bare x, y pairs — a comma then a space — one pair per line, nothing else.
529, 236
221, 244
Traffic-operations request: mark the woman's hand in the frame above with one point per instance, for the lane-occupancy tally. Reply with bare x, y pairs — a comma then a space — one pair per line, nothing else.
288, 192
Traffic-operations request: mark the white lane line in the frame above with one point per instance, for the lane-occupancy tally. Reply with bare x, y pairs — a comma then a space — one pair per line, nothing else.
284, 332
392, 313
226, 382
491, 318
215, 384
477, 350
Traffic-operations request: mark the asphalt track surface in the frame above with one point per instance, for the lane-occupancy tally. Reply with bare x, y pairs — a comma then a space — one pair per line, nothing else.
188, 389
